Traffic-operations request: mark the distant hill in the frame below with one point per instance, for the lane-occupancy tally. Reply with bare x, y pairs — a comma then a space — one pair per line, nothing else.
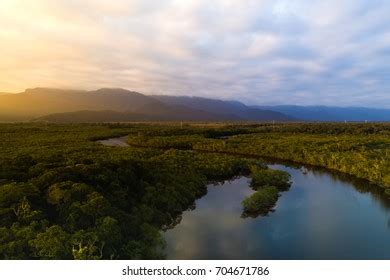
117, 105
236, 110
41, 101
92, 116
113, 116
110, 104
324, 113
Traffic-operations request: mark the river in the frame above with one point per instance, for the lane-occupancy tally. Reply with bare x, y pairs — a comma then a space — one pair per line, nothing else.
324, 215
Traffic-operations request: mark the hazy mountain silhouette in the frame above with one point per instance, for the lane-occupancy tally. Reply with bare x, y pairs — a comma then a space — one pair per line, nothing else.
117, 105
93, 116
239, 110
114, 116
324, 113
40, 101
111, 104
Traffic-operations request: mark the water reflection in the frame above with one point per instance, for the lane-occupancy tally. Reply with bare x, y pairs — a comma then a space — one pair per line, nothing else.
322, 216
115, 142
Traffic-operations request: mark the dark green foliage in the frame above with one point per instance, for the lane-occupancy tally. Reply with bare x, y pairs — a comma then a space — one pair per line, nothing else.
268, 177
362, 150
261, 202
64, 196
53, 243
144, 248
11, 194
267, 183
15, 240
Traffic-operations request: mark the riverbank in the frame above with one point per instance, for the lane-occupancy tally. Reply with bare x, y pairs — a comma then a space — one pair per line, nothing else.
74, 189
362, 181
361, 150
322, 216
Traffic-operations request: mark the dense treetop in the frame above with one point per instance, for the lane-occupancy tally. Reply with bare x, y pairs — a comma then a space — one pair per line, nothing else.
65, 196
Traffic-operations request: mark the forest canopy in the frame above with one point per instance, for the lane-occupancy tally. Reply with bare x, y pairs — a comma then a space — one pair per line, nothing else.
65, 196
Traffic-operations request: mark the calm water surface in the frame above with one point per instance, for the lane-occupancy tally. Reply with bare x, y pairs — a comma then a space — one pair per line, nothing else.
115, 142
322, 216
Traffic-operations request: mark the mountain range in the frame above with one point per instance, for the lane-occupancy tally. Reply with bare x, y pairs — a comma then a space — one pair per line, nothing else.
298, 113
120, 105
335, 114
109, 104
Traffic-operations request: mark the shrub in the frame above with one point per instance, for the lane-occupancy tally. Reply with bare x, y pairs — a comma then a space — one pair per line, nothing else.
268, 177
261, 202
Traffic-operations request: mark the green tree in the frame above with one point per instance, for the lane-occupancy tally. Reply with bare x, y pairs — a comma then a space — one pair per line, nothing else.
54, 243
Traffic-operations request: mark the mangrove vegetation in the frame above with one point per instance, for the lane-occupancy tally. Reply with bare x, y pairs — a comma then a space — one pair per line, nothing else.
65, 196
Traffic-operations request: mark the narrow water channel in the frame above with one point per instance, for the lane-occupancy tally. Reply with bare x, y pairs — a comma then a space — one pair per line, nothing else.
324, 215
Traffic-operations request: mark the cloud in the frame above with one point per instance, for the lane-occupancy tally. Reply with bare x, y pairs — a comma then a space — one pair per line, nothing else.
332, 52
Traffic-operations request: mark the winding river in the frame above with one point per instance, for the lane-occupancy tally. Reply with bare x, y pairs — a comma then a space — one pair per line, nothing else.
324, 215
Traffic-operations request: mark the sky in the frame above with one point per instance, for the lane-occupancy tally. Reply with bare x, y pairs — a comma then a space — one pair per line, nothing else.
333, 52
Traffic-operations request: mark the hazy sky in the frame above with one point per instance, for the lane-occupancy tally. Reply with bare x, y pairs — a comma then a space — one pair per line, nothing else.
333, 52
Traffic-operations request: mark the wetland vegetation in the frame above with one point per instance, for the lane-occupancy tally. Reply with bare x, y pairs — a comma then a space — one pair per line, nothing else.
63, 195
